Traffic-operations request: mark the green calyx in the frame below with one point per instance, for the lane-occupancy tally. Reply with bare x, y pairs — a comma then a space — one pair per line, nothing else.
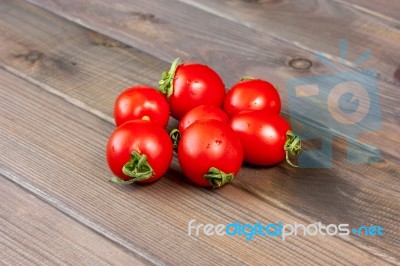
175, 136
292, 146
166, 83
137, 168
217, 178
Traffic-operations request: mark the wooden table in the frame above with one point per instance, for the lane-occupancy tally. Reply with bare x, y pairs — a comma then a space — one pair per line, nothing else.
62, 64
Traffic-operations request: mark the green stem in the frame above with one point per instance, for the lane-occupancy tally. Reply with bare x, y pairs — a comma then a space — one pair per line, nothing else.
292, 146
137, 168
217, 178
175, 136
246, 77
166, 84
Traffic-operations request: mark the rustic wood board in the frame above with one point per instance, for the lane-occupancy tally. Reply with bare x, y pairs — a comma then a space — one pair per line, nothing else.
33, 233
80, 72
63, 160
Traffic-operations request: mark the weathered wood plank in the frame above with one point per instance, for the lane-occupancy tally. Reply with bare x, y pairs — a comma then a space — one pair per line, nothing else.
318, 26
231, 48
34, 233
58, 149
278, 190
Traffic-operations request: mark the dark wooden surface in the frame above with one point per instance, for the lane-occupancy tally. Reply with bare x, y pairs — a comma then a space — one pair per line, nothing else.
62, 63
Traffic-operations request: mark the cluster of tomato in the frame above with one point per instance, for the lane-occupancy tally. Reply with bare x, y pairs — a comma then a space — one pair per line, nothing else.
217, 130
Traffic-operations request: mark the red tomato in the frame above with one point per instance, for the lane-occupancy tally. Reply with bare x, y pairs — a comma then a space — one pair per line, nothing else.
202, 112
252, 94
210, 153
266, 138
189, 85
141, 102
139, 151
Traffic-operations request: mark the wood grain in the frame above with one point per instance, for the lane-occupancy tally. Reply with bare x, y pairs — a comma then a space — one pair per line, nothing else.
64, 151
63, 162
34, 233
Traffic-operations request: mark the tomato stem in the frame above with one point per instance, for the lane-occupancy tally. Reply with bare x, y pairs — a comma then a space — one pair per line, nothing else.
175, 136
166, 83
137, 168
217, 178
247, 77
292, 146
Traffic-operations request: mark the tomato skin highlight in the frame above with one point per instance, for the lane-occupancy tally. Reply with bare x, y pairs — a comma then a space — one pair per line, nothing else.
263, 136
202, 112
145, 138
206, 144
193, 84
140, 102
252, 94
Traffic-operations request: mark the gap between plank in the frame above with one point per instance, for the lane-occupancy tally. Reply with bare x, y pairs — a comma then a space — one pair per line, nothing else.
368, 11
336, 59
58, 93
141, 254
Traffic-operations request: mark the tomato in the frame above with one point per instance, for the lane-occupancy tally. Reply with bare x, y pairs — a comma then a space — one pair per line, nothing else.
139, 151
210, 153
189, 85
141, 102
202, 112
252, 94
266, 138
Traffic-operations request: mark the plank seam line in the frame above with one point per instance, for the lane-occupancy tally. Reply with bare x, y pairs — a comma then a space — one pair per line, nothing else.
59, 94
60, 206
337, 59
386, 256
161, 57
369, 11
127, 41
